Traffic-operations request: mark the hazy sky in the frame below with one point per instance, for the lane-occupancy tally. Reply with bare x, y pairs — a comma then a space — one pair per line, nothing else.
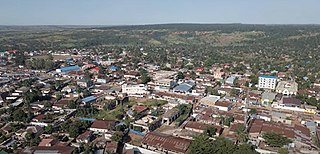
128, 12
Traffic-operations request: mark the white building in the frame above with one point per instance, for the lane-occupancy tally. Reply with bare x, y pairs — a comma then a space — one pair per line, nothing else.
223, 106
287, 88
163, 84
267, 82
138, 90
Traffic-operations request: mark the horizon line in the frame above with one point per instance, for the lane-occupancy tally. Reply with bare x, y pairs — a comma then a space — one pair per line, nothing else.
168, 23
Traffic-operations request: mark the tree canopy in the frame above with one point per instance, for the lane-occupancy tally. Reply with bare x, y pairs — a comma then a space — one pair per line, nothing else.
275, 140
203, 145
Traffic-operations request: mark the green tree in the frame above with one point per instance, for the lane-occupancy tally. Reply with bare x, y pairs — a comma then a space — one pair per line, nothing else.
180, 75
20, 58
117, 137
283, 151
241, 135
19, 115
48, 129
275, 140
201, 145
253, 111
211, 131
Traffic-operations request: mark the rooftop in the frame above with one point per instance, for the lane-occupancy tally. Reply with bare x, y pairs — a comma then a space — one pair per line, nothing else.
167, 142
266, 76
88, 99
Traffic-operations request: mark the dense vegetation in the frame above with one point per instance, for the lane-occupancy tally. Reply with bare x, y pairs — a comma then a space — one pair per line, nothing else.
203, 145
263, 47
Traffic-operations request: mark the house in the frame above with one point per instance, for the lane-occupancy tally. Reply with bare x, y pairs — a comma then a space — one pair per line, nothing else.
209, 101
281, 117
68, 69
310, 109
140, 109
131, 75
267, 98
201, 127
138, 90
184, 87
287, 88
59, 149
88, 100
103, 126
113, 68
257, 127
84, 137
199, 69
170, 116
223, 105
95, 70
267, 82
230, 80
36, 130
84, 83
146, 124
165, 143
289, 103
218, 74
48, 142
62, 103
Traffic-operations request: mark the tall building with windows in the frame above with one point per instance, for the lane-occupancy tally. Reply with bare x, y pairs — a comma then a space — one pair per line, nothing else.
267, 82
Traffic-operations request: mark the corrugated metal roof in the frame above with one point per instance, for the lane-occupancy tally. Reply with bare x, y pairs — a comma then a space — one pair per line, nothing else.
69, 68
88, 99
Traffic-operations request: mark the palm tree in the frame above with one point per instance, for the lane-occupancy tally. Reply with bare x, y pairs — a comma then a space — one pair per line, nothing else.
241, 135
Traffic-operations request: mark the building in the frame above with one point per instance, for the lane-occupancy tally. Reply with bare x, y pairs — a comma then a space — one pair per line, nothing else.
289, 103
209, 101
164, 84
88, 99
267, 98
230, 80
84, 83
138, 90
68, 69
184, 87
59, 149
84, 137
163, 143
223, 105
287, 88
170, 116
218, 73
267, 82
201, 127
102, 126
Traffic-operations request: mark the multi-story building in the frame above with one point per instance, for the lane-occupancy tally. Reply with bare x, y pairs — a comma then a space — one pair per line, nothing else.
164, 84
138, 90
267, 82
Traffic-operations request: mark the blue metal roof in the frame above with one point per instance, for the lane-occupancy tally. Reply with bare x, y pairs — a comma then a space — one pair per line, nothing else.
265, 76
136, 132
113, 67
69, 68
88, 99
184, 87
87, 119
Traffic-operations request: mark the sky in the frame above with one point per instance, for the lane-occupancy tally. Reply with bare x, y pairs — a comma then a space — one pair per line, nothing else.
137, 12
